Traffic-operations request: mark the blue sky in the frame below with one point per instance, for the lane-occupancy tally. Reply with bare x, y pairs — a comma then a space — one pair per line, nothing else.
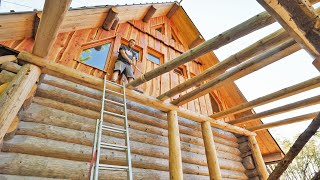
215, 17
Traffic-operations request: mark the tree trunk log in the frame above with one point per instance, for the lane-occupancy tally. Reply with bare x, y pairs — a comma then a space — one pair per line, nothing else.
296, 148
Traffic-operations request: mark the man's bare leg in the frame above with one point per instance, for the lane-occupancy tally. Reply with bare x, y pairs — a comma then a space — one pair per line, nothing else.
115, 76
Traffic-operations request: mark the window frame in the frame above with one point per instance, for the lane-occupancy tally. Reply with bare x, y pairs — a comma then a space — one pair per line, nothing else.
93, 44
155, 27
155, 53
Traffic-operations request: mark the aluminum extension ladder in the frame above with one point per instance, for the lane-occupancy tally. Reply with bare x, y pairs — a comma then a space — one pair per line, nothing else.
100, 127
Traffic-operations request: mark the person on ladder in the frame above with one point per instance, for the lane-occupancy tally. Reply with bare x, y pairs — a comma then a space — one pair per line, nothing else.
126, 58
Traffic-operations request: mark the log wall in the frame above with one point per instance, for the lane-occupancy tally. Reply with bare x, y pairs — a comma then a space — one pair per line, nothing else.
55, 136
68, 46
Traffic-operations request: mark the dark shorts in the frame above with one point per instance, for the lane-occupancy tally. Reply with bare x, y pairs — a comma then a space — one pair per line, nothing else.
124, 69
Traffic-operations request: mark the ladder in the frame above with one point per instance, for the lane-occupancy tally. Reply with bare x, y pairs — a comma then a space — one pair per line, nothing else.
100, 127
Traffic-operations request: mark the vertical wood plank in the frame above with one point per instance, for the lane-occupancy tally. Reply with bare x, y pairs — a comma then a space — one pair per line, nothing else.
175, 160
211, 153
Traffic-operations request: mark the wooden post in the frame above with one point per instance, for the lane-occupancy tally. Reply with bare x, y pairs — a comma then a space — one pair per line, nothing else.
283, 93
110, 19
289, 107
296, 148
51, 19
149, 14
211, 153
241, 70
256, 153
175, 161
12, 99
284, 122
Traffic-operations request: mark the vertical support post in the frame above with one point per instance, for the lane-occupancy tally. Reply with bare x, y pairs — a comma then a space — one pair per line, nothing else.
256, 153
211, 153
175, 160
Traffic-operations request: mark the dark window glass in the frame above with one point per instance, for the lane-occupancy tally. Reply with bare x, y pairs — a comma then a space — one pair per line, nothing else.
153, 58
96, 56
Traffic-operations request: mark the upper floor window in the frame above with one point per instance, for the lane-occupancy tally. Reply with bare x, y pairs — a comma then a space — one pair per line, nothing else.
96, 56
160, 28
154, 56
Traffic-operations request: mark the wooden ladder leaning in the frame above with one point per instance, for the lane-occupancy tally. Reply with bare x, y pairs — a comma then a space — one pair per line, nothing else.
95, 166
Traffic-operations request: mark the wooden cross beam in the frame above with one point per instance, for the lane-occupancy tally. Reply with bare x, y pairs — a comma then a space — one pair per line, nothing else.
149, 14
173, 10
241, 70
299, 19
110, 19
51, 19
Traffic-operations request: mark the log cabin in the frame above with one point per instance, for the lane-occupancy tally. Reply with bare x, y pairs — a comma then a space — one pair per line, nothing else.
190, 121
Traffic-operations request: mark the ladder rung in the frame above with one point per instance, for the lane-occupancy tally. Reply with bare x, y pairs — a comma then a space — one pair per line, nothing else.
114, 114
104, 127
113, 92
114, 102
113, 146
113, 167
113, 83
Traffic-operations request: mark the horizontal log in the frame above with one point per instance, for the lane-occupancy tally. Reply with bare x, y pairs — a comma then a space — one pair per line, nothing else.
96, 94
289, 107
30, 165
250, 25
7, 58
5, 77
64, 96
257, 48
13, 177
283, 93
11, 66
284, 122
39, 114
241, 70
62, 150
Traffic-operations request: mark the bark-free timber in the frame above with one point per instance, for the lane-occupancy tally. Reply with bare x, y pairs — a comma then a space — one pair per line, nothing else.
51, 19
7, 58
211, 154
241, 70
11, 67
296, 148
175, 162
13, 97
289, 107
256, 153
110, 19
173, 10
73, 75
149, 14
257, 48
284, 122
283, 93
259, 21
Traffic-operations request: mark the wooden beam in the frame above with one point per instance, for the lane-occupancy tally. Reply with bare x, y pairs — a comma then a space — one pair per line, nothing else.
211, 153
115, 24
110, 19
289, 107
7, 58
299, 18
35, 25
12, 99
58, 70
241, 70
196, 42
274, 157
51, 19
175, 161
296, 148
257, 22
173, 10
255, 49
283, 93
316, 63
149, 14
284, 122
256, 153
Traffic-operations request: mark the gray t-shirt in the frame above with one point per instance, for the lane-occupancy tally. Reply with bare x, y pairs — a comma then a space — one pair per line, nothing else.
129, 52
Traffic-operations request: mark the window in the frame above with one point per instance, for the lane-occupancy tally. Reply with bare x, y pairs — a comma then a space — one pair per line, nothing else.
153, 58
95, 56
159, 28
